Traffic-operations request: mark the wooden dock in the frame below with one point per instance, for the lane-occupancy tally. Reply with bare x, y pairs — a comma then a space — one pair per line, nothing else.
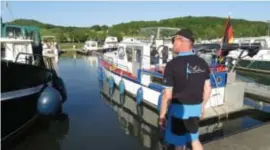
256, 138
258, 91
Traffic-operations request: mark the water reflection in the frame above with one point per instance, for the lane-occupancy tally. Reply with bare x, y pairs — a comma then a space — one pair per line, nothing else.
45, 134
143, 124
91, 60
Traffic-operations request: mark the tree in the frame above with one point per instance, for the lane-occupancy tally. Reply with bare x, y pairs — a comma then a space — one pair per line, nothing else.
203, 27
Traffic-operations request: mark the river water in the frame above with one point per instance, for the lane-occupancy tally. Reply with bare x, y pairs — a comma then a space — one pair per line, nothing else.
91, 121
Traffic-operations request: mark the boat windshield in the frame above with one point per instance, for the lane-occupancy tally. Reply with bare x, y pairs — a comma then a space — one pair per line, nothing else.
14, 32
111, 42
157, 32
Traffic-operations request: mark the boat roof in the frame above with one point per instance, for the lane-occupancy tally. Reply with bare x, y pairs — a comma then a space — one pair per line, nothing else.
132, 43
13, 40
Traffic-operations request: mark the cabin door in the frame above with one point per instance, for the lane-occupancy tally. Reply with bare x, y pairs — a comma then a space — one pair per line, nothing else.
136, 63
136, 59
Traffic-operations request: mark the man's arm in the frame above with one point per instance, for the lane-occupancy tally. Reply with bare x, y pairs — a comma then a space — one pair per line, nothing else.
206, 91
166, 98
167, 92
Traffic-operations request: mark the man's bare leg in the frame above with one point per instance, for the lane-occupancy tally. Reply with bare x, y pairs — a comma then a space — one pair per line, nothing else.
196, 145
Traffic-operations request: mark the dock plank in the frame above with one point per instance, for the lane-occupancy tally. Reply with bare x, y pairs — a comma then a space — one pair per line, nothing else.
257, 138
258, 90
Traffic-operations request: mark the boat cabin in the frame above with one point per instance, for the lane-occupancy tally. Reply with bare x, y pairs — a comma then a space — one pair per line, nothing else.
19, 43
262, 55
144, 53
129, 39
264, 40
110, 42
90, 46
15, 49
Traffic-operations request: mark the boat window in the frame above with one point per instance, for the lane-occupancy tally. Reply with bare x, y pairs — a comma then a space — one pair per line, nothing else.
111, 42
33, 35
129, 54
13, 32
244, 41
262, 41
93, 45
36, 38
138, 54
28, 34
121, 53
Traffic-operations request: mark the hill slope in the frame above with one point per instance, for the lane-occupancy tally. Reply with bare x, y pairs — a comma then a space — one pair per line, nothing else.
203, 27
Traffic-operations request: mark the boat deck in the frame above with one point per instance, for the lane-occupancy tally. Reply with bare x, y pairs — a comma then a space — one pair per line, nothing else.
256, 138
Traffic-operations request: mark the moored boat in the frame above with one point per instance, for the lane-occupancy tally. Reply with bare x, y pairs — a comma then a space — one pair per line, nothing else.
30, 86
258, 63
130, 68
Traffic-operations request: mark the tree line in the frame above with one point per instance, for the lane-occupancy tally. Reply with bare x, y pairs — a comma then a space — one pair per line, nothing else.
203, 28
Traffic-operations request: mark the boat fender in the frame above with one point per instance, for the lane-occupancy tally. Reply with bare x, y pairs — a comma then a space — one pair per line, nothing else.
101, 74
59, 84
49, 101
101, 85
121, 87
111, 85
159, 101
139, 96
111, 82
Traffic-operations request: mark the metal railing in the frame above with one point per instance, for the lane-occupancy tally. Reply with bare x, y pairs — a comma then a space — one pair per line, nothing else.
36, 60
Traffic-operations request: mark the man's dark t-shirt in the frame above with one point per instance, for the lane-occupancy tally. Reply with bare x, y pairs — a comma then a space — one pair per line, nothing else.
187, 75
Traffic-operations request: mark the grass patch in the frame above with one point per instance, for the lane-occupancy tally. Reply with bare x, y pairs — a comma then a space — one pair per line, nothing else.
69, 46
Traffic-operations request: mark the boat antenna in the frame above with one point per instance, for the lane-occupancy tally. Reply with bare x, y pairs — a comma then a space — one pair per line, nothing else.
2, 12
6, 5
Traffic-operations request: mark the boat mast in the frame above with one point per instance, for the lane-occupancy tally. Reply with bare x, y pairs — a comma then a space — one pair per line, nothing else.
268, 21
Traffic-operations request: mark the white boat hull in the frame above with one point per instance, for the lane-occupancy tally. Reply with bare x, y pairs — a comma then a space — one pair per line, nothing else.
152, 96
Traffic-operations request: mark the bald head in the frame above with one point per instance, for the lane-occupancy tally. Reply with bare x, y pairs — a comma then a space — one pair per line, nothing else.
182, 44
183, 41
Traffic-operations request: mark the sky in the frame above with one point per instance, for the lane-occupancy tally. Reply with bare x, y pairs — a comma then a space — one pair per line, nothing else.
88, 13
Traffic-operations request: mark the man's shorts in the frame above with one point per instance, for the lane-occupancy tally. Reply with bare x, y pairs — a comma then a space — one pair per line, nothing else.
182, 124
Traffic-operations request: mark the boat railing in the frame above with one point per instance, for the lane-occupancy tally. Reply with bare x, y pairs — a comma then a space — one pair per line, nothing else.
36, 59
157, 71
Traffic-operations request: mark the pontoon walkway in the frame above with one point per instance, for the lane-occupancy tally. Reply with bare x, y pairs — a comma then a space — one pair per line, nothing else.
257, 138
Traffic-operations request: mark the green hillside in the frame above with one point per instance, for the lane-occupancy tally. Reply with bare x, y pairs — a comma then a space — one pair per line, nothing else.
203, 27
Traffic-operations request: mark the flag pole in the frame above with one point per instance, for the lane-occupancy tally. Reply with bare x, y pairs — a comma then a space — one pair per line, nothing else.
230, 14
2, 12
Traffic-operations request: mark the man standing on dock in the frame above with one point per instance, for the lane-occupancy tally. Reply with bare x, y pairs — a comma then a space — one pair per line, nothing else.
188, 88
